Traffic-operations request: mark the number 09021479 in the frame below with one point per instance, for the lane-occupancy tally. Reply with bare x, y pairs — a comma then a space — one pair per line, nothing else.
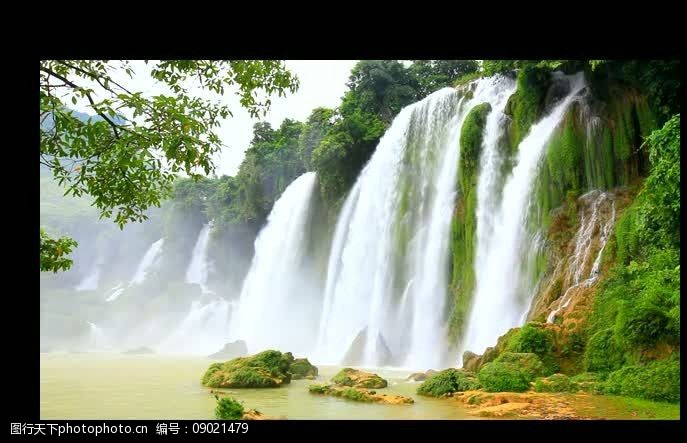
220, 428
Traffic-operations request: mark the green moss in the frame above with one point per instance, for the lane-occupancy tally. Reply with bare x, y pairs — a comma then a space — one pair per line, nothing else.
603, 353
463, 224
354, 378
565, 155
555, 383
527, 104
228, 409
355, 395
301, 368
448, 381
537, 340
510, 372
658, 380
318, 389
264, 370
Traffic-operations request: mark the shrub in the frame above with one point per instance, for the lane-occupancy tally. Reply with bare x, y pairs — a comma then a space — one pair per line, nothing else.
511, 372
448, 381
603, 354
555, 383
658, 380
228, 409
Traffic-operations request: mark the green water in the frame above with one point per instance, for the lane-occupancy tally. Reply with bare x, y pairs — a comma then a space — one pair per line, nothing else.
112, 386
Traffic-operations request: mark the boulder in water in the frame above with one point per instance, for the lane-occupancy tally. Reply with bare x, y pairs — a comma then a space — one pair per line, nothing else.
231, 350
141, 350
302, 368
268, 369
421, 376
359, 394
358, 379
356, 351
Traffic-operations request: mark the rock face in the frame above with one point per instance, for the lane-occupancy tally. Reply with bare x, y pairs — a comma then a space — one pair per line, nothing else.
356, 351
422, 376
231, 350
302, 368
358, 379
141, 350
471, 361
360, 394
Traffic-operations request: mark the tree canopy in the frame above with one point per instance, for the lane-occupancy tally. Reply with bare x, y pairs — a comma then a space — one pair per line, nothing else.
129, 156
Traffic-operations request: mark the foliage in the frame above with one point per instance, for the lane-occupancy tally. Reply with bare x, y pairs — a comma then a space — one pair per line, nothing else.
661, 212
128, 157
602, 353
448, 381
228, 409
510, 372
54, 252
531, 339
432, 75
354, 378
658, 380
555, 383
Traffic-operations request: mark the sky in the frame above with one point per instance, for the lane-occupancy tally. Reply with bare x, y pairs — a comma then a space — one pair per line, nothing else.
322, 84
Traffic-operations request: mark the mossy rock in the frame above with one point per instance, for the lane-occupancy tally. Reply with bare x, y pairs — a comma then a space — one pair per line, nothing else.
302, 368
556, 383
359, 394
268, 369
510, 372
447, 382
358, 379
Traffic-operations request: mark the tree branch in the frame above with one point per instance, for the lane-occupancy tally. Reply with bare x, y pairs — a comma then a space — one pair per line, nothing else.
90, 99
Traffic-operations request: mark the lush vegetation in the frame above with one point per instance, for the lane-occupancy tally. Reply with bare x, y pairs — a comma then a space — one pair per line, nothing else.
228, 409
512, 372
447, 382
128, 157
268, 369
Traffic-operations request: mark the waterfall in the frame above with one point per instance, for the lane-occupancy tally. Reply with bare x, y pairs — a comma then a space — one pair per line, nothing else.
204, 330
502, 238
277, 306
197, 271
91, 280
149, 259
595, 228
388, 266
97, 337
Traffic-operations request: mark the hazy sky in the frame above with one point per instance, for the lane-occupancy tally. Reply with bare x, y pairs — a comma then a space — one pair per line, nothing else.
322, 83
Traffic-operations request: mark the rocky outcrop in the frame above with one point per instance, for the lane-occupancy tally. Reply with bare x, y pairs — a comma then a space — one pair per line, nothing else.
360, 394
422, 376
302, 368
231, 350
356, 351
268, 369
358, 379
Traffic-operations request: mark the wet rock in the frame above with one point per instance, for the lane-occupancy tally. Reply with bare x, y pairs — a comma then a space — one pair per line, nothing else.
268, 369
359, 394
231, 350
302, 368
358, 379
422, 376
356, 351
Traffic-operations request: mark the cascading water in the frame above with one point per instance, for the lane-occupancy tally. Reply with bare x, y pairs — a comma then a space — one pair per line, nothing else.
97, 337
197, 271
502, 236
278, 305
91, 280
149, 259
391, 238
204, 330
595, 221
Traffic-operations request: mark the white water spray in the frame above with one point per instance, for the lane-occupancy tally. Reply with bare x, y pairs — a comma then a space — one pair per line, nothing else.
149, 260
278, 305
198, 269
